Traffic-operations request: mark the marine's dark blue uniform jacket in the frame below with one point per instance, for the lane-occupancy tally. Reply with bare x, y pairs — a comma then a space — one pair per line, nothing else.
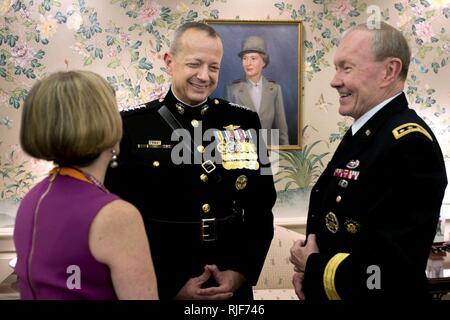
176, 200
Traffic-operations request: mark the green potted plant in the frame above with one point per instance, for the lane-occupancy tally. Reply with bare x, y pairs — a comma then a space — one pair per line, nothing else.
299, 169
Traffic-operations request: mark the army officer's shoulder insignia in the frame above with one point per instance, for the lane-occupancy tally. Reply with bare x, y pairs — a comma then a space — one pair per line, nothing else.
408, 128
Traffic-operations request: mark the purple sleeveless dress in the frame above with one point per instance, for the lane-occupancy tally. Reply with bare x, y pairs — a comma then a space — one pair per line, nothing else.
61, 264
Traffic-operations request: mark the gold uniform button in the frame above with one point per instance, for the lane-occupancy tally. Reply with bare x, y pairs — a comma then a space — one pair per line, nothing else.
194, 123
338, 199
201, 149
241, 182
204, 177
216, 101
206, 208
156, 163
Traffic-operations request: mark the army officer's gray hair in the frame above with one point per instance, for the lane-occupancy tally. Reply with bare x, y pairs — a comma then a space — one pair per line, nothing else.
387, 41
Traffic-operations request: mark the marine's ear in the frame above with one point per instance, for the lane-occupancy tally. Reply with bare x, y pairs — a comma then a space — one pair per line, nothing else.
169, 61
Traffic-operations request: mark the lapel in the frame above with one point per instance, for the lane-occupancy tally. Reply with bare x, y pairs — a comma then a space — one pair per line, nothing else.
246, 100
354, 144
266, 96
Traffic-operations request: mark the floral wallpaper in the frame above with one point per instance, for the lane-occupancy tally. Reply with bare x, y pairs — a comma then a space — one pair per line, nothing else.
124, 40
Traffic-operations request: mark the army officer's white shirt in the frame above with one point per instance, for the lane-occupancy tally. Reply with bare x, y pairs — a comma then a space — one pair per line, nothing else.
369, 114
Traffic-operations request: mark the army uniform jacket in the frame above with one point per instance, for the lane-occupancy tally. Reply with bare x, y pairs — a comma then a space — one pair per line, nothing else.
375, 210
195, 213
271, 111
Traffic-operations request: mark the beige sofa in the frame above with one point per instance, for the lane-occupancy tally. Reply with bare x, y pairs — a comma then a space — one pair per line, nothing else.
275, 281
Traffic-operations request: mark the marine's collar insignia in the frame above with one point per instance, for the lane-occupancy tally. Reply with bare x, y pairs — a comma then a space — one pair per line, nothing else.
180, 108
410, 127
353, 164
216, 101
332, 223
204, 109
231, 127
352, 226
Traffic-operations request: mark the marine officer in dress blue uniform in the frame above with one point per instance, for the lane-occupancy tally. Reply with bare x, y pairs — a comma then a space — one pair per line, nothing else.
373, 212
196, 169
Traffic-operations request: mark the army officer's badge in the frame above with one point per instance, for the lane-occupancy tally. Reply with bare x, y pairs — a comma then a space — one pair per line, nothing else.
351, 226
353, 164
332, 223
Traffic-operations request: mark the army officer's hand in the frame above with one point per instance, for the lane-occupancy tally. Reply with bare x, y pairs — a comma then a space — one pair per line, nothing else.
301, 251
297, 281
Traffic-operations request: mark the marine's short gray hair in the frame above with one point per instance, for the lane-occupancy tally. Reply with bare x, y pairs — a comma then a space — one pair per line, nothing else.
387, 41
175, 45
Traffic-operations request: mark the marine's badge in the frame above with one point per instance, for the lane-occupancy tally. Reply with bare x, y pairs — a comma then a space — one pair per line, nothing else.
231, 127
222, 147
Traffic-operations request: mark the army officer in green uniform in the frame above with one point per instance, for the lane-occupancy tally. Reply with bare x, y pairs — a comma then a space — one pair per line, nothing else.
373, 212
196, 170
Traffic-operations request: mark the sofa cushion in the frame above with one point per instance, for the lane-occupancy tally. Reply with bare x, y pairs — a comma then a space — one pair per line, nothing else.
277, 271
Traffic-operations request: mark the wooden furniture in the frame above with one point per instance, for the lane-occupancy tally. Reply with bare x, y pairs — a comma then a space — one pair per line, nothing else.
438, 270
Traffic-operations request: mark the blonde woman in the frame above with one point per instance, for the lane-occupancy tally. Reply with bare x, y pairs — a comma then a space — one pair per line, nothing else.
74, 239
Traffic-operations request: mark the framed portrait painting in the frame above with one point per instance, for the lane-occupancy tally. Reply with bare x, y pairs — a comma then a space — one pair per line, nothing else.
261, 70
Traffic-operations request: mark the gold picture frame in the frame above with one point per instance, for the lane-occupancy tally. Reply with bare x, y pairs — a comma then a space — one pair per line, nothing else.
283, 41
